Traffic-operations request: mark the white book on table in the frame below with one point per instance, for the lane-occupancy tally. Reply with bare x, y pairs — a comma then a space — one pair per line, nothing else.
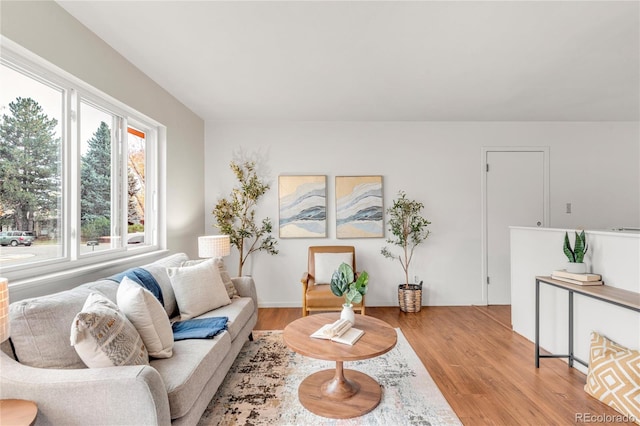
340, 331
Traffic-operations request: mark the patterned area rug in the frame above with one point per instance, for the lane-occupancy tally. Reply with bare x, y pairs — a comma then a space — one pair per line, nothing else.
262, 388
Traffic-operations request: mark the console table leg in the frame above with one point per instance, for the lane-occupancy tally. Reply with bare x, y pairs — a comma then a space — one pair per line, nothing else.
537, 343
570, 328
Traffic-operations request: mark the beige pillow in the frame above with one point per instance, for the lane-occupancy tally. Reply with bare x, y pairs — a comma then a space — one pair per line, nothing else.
148, 316
104, 337
198, 288
326, 264
226, 278
614, 376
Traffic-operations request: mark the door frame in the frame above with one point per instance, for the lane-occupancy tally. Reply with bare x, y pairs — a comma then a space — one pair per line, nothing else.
484, 214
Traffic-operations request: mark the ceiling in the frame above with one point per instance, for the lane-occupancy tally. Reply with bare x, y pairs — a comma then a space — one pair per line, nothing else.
390, 61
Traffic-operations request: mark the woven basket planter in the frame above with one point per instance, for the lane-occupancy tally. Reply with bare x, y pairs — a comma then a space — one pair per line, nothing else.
410, 297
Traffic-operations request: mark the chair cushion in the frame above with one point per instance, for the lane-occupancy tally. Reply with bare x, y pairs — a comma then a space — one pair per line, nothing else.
614, 376
320, 296
325, 264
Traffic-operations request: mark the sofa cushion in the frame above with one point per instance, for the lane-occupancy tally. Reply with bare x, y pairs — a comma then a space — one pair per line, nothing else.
614, 376
148, 316
40, 326
158, 270
198, 288
104, 337
40, 329
187, 372
109, 288
239, 312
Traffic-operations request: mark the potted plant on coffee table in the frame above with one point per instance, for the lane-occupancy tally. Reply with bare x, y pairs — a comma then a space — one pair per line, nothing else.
409, 229
345, 283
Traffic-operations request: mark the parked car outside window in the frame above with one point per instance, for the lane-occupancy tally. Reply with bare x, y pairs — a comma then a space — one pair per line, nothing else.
16, 238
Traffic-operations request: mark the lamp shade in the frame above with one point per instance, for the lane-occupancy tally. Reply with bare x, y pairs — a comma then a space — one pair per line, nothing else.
214, 246
4, 309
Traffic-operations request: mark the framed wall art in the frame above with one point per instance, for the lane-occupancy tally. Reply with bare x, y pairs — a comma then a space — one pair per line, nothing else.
359, 209
302, 206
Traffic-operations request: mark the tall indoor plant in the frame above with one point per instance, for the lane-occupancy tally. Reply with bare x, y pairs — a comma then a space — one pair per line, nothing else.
236, 216
409, 229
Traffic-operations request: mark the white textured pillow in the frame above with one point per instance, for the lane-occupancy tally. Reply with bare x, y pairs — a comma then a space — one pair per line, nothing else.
198, 288
104, 337
226, 278
148, 316
327, 263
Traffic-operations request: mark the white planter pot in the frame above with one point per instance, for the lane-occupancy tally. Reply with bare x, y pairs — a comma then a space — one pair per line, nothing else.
576, 268
347, 313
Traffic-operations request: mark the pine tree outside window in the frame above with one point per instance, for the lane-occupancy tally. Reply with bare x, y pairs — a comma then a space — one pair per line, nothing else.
76, 168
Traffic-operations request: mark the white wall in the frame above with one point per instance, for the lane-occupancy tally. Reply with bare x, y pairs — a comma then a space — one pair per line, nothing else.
538, 252
595, 166
50, 32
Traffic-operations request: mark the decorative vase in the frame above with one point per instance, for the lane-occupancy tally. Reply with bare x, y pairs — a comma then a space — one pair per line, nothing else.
347, 313
576, 268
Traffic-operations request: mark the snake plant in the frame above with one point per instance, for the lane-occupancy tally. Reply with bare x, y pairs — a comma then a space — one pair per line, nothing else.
580, 247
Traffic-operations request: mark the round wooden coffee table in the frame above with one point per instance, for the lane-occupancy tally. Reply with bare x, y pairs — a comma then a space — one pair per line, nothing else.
18, 412
339, 393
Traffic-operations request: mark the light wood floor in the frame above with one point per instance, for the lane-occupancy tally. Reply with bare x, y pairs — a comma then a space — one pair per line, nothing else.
484, 369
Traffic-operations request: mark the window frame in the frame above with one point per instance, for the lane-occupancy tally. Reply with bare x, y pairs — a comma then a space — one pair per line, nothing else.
74, 91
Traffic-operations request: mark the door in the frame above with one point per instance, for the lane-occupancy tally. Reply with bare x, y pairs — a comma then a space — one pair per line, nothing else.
515, 196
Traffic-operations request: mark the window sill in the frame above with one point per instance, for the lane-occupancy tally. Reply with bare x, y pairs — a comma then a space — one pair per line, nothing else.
65, 279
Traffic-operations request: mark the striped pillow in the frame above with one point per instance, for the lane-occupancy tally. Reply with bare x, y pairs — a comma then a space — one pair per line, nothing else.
614, 376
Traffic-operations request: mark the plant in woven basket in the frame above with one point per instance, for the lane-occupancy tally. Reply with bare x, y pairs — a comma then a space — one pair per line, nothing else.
409, 229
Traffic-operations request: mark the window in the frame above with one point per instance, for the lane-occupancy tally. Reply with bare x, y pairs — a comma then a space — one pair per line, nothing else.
77, 169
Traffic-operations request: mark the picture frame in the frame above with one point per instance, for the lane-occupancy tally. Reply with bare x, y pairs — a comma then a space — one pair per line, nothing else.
359, 207
302, 201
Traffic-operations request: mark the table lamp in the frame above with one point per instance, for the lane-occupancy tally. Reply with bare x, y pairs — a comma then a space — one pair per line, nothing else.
216, 246
4, 309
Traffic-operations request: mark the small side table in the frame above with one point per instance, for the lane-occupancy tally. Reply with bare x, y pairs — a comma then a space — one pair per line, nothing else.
17, 412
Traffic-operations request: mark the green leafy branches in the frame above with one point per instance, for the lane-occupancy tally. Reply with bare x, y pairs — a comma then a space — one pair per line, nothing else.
344, 283
235, 216
580, 247
408, 228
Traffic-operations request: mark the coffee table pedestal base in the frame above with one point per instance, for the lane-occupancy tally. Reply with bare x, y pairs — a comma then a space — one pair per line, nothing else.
339, 394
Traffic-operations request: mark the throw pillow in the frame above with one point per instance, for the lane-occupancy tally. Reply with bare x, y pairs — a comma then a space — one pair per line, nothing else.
198, 288
614, 376
226, 278
148, 316
326, 264
104, 337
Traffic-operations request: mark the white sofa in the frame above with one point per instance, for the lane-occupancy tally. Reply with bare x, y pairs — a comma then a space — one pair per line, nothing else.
41, 365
